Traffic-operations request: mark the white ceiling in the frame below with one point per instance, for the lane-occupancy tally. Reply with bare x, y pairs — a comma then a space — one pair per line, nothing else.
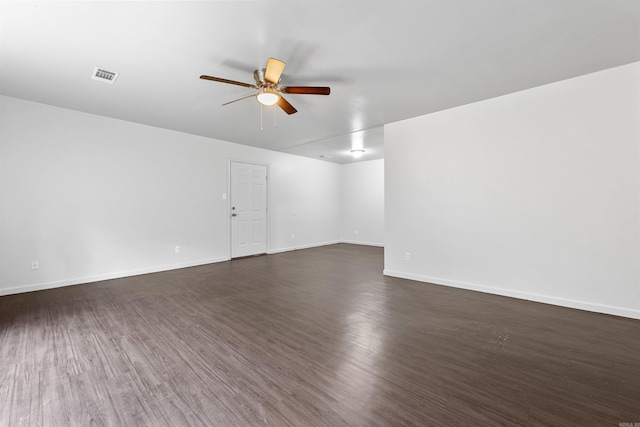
384, 60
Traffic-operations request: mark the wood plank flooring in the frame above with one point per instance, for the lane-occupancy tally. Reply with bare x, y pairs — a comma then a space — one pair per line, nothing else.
317, 337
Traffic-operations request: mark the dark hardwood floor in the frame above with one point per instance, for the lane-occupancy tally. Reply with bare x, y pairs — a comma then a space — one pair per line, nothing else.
317, 337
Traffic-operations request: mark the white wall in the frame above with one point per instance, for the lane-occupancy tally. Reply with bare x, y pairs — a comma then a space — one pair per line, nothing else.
362, 203
534, 195
91, 197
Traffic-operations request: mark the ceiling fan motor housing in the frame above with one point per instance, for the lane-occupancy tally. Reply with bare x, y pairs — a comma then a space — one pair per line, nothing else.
258, 75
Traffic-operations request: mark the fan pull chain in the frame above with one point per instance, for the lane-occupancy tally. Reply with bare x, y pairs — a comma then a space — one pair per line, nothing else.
275, 114
260, 117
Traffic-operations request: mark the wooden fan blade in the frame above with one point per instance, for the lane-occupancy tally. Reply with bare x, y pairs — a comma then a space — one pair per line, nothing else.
286, 107
274, 70
231, 82
306, 90
239, 99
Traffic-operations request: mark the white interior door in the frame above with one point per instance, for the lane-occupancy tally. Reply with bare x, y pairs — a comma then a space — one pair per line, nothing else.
248, 209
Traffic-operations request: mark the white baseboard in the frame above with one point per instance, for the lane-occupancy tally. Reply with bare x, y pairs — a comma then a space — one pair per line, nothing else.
357, 242
315, 245
547, 299
308, 246
109, 276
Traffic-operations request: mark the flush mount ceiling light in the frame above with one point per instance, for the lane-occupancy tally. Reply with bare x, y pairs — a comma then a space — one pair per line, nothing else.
357, 144
358, 152
268, 97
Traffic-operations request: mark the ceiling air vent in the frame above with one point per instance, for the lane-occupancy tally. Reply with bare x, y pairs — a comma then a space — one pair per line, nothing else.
104, 76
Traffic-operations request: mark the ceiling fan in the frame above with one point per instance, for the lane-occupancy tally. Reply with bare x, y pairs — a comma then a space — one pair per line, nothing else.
269, 89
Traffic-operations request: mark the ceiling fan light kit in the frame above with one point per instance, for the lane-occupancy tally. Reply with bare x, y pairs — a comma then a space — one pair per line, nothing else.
269, 89
268, 97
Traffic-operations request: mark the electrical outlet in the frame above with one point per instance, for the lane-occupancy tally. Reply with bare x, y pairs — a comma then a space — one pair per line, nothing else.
293, 236
407, 256
357, 232
177, 249
35, 265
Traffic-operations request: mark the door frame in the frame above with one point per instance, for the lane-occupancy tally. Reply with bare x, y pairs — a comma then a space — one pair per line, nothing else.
228, 204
